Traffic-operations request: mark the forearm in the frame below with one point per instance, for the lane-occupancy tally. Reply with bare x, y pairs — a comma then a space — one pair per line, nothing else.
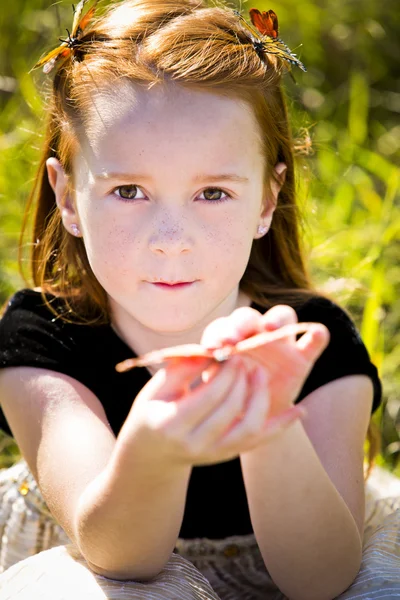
130, 516
307, 535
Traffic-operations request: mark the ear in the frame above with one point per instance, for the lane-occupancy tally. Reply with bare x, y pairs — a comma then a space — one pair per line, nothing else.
278, 180
271, 201
58, 180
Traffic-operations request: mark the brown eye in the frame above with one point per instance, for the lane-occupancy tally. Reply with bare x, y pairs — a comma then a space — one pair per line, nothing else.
213, 194
127, 192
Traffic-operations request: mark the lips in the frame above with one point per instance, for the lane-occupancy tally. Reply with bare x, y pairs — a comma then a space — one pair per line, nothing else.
172, 284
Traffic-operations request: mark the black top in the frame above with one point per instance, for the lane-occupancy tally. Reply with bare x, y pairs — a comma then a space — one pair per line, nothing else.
216, 504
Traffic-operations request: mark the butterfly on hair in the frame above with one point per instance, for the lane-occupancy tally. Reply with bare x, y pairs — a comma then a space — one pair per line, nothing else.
72, 43
264, 35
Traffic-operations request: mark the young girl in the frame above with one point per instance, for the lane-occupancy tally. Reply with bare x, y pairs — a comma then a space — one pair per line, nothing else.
165, 215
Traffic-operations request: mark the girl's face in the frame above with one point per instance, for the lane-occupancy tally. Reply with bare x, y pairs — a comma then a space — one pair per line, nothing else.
169, 186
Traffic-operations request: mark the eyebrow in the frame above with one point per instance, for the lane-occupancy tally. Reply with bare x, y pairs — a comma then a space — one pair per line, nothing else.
198, 179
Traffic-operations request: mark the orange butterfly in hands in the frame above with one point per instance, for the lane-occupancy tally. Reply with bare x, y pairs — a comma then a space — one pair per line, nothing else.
62, 52
196, 351
265, 36
287, 365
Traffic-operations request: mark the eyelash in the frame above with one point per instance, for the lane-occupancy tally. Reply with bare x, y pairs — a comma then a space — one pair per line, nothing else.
128, 200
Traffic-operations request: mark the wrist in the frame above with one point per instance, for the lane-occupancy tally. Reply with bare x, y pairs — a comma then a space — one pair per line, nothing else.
281, 444
132, 453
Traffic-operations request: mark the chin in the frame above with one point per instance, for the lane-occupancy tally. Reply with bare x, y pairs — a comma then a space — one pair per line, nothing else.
167, 324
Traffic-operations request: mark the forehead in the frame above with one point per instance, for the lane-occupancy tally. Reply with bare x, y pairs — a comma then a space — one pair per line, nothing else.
129, 123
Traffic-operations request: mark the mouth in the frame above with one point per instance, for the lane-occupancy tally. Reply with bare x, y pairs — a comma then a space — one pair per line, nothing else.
172, 284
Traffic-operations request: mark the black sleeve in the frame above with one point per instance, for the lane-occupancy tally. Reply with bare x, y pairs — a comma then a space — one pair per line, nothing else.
31, 337
345, 354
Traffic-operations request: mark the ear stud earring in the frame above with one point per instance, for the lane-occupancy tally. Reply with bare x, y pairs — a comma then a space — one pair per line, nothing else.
75, 229
262, 229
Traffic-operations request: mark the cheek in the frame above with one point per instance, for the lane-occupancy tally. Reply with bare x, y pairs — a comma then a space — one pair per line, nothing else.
237, 229
229, 243
107, 245
234, 223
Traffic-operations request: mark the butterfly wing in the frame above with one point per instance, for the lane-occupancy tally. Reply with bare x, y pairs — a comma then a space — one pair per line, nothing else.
279, 48
64, 50
255, 34
52, 57
159, 357
265, 35
267, 337
81, 24
77, 17
265, 22
196, 351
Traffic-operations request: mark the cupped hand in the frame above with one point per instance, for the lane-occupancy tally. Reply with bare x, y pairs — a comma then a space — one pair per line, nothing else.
196, 411
184, 414
287, 362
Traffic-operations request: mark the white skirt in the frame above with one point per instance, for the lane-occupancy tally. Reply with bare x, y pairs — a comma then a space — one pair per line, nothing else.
38, 561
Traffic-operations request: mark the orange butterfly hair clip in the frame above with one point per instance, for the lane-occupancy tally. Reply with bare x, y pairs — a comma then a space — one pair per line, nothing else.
265, 36
70, 45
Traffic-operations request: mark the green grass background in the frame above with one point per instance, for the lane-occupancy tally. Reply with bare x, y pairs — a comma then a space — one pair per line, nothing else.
347, 105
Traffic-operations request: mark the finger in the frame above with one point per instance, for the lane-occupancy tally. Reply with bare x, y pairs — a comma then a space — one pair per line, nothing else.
313, 342
278, 316
179, 376
255, 416
217, 421
242, 323
199, 403
272, 427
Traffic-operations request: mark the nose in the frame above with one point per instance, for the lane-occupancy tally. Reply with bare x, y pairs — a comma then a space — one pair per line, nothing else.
170, 237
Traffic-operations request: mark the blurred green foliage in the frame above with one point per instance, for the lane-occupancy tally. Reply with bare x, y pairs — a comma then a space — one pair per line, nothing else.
347, 106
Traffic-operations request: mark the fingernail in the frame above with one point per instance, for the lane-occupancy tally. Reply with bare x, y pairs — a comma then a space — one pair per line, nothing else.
272, 325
